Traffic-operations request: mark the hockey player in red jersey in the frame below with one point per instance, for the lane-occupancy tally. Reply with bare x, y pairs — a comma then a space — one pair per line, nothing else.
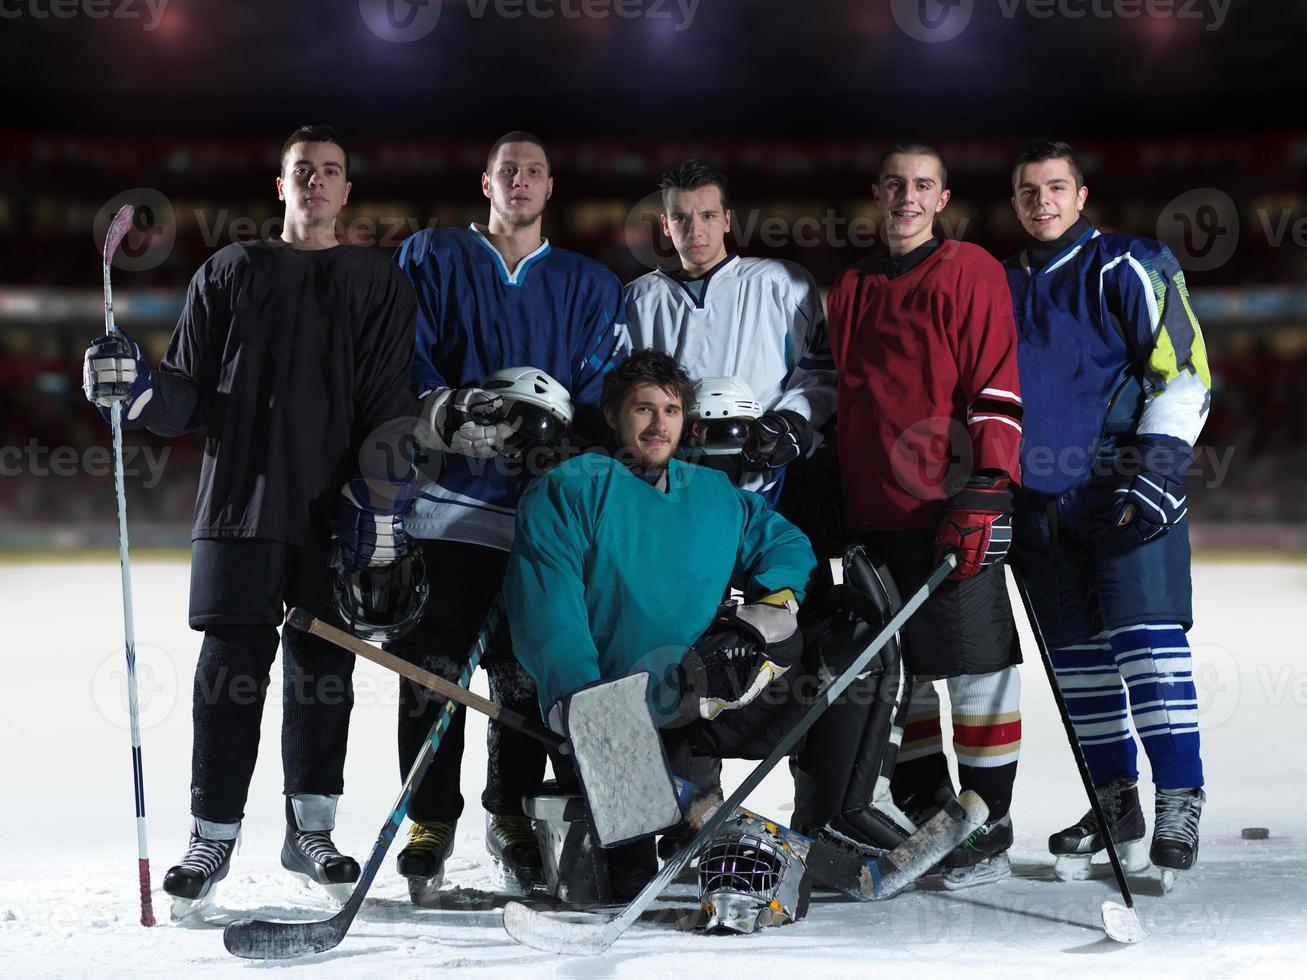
929, 414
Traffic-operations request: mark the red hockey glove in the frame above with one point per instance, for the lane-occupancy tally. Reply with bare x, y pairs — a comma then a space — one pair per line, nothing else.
978, 525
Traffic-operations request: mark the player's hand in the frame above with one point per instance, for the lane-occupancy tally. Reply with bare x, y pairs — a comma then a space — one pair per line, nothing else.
745, 648
1154, 499
369, 526
466, 420
978, 525
782, 436
114, 369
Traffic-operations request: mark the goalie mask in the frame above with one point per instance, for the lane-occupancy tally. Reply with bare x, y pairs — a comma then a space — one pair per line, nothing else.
382, 602
537, 406
721, 422
748, 881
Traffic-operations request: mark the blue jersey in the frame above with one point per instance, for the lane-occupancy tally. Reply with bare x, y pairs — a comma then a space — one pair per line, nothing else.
1108, 348
557, 311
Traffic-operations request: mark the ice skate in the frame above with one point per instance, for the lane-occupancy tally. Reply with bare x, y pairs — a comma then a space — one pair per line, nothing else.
1074, 847
192, 882
422, 861
982, 858
1175, 832
515, 852
308, 851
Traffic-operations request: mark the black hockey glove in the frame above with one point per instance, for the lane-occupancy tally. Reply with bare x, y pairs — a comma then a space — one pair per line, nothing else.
782, 436
745, 649
1154, 499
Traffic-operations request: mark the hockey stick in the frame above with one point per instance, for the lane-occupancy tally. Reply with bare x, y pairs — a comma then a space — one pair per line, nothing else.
867, 880
259, 939
118, 228
1120, 922
591, 933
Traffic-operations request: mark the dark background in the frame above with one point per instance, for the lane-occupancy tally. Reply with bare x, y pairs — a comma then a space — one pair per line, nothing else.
1186, 114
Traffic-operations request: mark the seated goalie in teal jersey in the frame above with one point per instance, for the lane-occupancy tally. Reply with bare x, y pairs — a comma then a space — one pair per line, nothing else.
621, 564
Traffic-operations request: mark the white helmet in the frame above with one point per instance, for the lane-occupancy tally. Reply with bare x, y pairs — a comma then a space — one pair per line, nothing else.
750, 879
539, 405
722, 417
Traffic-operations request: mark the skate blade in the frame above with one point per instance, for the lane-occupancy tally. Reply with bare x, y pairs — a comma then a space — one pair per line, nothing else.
1168, 880
986, 872
184, 908
1121, 924
336, 893
509, 882
423, 891
1073, 867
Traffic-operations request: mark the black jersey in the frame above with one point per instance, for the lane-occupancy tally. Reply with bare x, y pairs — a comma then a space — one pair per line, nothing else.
287, 359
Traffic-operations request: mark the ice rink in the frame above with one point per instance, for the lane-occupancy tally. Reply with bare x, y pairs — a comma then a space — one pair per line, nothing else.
68, 902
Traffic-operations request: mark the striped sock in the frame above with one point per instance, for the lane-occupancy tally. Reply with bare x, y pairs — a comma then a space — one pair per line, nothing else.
987, 734
1155, 661
1095, 699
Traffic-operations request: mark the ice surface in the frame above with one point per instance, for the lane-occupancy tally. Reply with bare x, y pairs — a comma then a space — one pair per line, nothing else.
68, 865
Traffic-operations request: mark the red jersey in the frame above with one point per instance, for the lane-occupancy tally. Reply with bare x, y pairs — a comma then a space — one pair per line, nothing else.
926, 368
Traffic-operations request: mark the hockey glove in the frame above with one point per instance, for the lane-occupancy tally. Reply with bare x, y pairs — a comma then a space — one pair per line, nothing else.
782, 436
746, 648
1154, 499
466, 420
115, 370
369, 526
978, 524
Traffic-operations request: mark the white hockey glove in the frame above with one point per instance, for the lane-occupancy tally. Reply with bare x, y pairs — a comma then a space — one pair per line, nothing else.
746, 648
114, 369
464, 420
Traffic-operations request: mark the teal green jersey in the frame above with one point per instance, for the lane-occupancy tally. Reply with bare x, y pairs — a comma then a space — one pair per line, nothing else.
609, 575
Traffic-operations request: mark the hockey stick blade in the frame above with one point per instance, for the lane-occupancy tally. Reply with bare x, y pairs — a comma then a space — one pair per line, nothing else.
926, 848
1121, 924
256, 939
118, 228
581, 933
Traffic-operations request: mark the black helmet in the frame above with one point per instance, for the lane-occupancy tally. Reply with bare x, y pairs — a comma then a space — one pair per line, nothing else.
382, 602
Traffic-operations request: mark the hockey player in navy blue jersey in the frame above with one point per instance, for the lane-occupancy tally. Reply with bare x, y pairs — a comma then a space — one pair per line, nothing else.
1116, 385
490, 296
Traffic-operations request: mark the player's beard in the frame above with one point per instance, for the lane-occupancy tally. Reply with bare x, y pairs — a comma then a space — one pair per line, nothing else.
519, 218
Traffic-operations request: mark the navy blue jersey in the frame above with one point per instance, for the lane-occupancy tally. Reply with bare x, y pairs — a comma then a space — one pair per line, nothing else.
1108, 347
557, 311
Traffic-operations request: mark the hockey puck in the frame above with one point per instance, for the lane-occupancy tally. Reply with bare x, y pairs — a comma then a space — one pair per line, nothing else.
1256, 833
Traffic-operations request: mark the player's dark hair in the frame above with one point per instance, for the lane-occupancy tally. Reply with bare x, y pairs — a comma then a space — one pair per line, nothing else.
518, 136
690, 176
647, 367
1037, 151
915, 148
314, 134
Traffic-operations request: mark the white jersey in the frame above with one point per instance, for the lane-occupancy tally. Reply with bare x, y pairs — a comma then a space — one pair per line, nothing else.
759, 320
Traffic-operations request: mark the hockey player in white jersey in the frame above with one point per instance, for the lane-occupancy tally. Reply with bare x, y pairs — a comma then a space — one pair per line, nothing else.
723, 315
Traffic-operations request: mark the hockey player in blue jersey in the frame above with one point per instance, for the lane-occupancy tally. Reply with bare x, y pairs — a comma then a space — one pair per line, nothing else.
1116, 385
490, 297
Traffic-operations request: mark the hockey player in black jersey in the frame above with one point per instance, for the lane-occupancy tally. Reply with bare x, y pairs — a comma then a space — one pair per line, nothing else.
289, 352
